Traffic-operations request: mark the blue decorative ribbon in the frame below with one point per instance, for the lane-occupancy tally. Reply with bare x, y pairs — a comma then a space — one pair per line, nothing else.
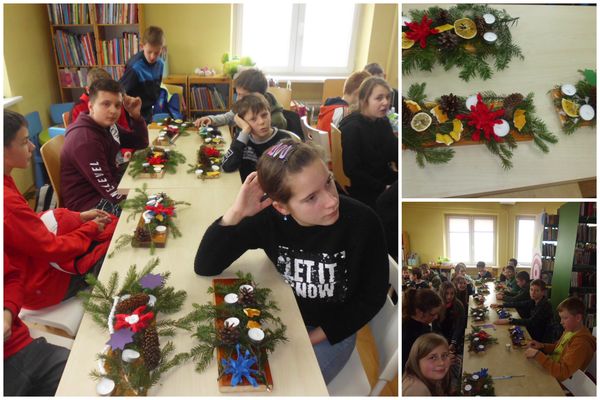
240, 368
483, 373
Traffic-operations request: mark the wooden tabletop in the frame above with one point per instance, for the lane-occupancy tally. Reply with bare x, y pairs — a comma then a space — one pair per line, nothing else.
552, 56
293, 364
500, 361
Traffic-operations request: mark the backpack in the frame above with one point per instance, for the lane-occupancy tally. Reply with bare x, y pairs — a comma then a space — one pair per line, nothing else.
164, 105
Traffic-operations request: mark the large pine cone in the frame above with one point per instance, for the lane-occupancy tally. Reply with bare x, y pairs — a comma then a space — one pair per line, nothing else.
128, 305
482, 27
246, 297
142, 234
448, 41
407, 115
151, 348
229, 335
449, 104
511, 102
442, 18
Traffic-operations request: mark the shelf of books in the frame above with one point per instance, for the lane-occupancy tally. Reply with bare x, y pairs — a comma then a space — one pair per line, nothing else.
86, 36
549, 242
209, 95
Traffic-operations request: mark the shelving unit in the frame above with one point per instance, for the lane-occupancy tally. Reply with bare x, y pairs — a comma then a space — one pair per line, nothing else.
182, 81
209, 95
549, 242
86, 36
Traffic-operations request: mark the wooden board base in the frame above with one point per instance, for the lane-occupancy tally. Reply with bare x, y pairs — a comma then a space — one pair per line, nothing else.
151, 175
165, 142
159, 239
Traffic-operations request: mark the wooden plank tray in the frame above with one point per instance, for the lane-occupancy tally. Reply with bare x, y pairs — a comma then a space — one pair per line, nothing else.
562, 116
151, 175
165, 141
159, 239
225, 380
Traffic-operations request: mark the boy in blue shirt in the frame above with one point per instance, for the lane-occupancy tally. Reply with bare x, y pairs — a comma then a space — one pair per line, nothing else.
144, 71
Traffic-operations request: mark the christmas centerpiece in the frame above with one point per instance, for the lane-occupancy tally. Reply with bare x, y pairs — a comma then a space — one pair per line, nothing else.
212, 136
517, 336
479, 339
209, 163
466, 36
241, 326
153, 162
132, 360
156, 220
479, 313
576, 104
431, 128
503, 313
477, 383
479, 299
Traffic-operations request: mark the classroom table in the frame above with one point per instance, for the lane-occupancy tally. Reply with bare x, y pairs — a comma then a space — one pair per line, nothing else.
556, 42
293, 364
500, 361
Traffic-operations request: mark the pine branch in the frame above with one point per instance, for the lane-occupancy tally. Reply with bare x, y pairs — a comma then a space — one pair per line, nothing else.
416, 92
121, 242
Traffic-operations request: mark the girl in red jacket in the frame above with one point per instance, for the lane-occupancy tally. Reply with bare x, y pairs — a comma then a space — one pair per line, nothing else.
56, 250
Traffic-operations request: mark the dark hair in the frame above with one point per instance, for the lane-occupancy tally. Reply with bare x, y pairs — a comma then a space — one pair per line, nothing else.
523, 275
367, 87
419, 299
374, 69
95, 74
254, 102
354, 81
13, 122
273, 171
252, 80
539, 283
424, 267
480, 264
104, 85
572, 305
417, 272
154, 36
510, 267
513, 260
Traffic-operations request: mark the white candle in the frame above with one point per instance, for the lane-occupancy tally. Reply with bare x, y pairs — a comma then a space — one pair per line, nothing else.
157, 169
161, 229
502, 129
489, 18
199, 172
151, 300
568, 89
256, 334
129, 355
105, 387
471, 101
490, 37
231, 298
247, 287
232, 322
215, 168
587, 112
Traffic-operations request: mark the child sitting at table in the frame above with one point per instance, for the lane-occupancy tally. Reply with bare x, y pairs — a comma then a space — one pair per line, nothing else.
482, 273
415, 279
512, 288
540, 315
461, 269
405, 277
427, 368
451, 323
517, 300
330, 249
432, 277
419, 309
254, 119
575, 348
462, 292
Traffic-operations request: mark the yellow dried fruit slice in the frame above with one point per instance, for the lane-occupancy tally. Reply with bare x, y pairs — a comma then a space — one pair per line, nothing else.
251, 312
444, 28
421, 121
570, 107
439, 114
443, 138
406, 42
519, 119
465, 28
413, 106
457, 128
252, 324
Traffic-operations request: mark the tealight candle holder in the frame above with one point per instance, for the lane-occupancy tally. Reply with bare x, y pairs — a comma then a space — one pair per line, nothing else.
502, 129
586, 112
256, 335
489, 18
232, 322
568, 90
231, 298
249, 288
490, 37
105, 387
471, 101
161, 229
129, 355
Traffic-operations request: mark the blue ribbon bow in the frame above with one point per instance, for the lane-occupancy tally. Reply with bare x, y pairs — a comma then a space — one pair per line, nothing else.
240, 367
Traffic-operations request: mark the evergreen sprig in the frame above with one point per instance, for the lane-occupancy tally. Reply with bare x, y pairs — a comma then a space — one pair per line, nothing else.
585, 90
141, 156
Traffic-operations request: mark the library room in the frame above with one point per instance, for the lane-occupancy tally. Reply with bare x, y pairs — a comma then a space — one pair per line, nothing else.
499, 298
177, 183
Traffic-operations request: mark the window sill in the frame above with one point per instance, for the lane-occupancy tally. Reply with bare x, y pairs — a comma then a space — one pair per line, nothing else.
11, 101
304, 78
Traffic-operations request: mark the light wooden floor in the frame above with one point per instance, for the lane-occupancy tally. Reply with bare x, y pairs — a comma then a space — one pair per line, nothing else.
368, 356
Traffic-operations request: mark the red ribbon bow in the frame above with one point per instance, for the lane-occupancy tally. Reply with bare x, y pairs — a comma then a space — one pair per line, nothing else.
160, 209
141, 320
420, 31
483, 119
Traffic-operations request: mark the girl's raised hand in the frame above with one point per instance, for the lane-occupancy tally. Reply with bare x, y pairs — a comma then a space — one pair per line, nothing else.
249, 201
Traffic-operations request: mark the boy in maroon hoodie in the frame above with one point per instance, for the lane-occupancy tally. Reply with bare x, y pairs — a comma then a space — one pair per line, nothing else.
89, 168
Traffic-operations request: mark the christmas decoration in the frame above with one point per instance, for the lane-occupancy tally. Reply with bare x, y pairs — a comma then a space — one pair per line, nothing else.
209, 163
478, 299
479, 339
576, 104
170, 130
153, 162
133, 360
478, 119
503, 314
479, 313
235, 331
456, 39
517, 336
212, 136
156, 221
477, 384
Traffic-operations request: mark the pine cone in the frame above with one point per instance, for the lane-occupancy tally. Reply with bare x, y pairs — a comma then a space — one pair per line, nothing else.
511, 102
142, 234
128, 305
407, 115
449, 104
442, 18
481, 25
229, 335
246, 297
448, 41
151, 348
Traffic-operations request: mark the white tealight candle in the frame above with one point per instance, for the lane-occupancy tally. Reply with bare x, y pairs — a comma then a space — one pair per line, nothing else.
468, 388
489, 18
105, 387
199, 172
471, 101
568, 89
215, 167
231, 298
145, 164
405, 20
247, 287
232, 322
481, 347
157, 169
475, 377
502, 129
129, 355
476, 339
147, 215
161, 229
490, 37
207, 140
587, 112
256, 334
151, 202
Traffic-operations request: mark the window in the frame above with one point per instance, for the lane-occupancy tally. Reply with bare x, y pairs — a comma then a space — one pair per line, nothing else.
471, 238
308, 39
524, 240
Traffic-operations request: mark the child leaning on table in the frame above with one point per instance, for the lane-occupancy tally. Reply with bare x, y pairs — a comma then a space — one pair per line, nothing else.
426, 372
520, 301
329, 248
248, 81
575, 348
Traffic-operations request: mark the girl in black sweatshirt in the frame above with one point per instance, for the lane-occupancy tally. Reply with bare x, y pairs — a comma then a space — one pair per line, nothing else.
330, 249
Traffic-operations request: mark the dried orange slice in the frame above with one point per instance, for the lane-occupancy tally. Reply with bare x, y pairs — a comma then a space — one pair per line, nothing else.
412, 106
519, 119
420, 122
439, 114
465, 28
570, 107
252, 324
406, 42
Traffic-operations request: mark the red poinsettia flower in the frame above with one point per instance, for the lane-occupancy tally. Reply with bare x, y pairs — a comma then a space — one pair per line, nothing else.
135, 321
160, 209
420, 31
483, 119
156, 160
482, 335
211, 152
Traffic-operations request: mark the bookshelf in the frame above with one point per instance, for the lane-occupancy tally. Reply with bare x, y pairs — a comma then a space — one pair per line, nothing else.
209, 95
549, 243
575, 267
92, 35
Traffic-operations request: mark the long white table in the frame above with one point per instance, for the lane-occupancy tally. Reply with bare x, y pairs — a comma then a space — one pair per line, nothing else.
293, 364
552, 56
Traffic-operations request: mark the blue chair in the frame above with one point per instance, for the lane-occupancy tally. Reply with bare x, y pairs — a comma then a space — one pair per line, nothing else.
57, 110
35, 127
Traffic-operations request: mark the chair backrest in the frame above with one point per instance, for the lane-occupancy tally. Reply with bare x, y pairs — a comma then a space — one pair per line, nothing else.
384, 327
65, 118
283, 96
35, 128
51, 156
332, 88
293, 123
336, 157
591, 369
57, 110
580, 384
318, 137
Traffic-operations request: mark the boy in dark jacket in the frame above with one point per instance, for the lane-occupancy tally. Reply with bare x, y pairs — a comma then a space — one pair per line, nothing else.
144, 71
519, 298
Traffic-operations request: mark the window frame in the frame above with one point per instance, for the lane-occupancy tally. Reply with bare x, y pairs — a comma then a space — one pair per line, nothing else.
296, 42
471, 218
516, 244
